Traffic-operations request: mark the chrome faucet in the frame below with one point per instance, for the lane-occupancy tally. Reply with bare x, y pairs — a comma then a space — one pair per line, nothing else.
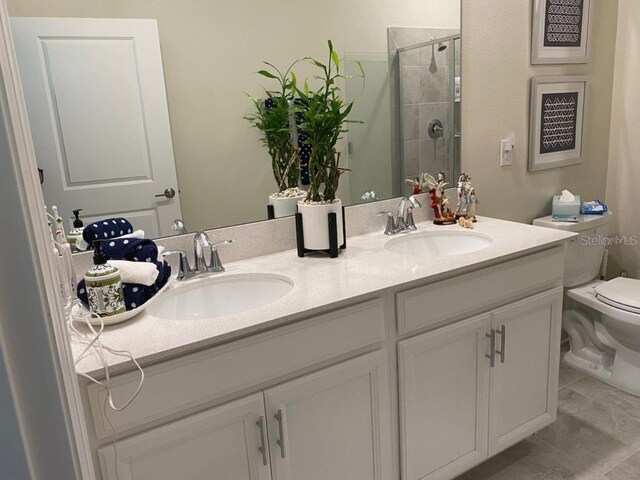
402, 221
178, 227
201, 241
405, 213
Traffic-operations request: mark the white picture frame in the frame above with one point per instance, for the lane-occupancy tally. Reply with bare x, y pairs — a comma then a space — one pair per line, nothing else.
561, 31
557, 124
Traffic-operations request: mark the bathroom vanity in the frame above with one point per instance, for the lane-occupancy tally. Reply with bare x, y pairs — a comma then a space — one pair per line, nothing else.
378, 365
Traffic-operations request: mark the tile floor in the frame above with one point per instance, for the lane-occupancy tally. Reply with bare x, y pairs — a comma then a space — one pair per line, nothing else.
596, 437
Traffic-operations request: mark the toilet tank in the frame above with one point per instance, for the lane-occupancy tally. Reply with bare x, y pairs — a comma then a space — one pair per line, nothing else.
584, 254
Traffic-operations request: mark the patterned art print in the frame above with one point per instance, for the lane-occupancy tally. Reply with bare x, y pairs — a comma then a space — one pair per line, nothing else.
559, 122
563, 23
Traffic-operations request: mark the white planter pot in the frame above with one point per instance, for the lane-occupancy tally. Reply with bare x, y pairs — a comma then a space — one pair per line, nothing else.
315, 224
284, 206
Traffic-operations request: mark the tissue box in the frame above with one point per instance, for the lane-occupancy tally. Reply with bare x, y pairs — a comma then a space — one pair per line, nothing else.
565, 211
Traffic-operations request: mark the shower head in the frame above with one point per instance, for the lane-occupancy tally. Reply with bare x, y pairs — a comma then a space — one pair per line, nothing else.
441, 45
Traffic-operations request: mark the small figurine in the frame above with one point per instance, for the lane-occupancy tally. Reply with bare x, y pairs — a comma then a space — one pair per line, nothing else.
420, 184
472, 205
467, 200
464, 186
466, 223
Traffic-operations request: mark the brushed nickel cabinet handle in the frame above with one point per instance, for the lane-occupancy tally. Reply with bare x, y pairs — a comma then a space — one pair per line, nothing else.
263, 441
280, 418
503, 341
492, 355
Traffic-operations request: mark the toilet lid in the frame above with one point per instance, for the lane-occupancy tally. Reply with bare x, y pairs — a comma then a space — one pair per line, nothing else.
622, 293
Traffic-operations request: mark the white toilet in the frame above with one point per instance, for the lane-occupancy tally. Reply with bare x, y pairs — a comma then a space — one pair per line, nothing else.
601, 318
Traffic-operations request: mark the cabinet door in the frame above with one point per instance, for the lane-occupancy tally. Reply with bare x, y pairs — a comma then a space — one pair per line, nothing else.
524, 382
333, 424
444, 389
222, 444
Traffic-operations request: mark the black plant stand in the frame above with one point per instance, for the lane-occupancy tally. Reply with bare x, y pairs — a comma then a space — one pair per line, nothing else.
271, 214
334, 249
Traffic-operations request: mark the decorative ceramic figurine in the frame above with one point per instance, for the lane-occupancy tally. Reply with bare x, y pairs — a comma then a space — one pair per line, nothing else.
467, 200
472, 205
421, 184
464, 185
465, 222
439, 202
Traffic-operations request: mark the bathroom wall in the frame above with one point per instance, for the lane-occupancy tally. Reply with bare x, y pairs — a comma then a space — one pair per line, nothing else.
496, 42
624, 151
207, 70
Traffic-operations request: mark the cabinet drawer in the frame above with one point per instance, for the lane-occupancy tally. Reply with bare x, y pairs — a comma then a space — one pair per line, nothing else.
434, 304
192, 380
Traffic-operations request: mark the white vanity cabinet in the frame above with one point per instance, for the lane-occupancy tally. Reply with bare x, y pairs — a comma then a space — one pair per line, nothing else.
463, 401
334, 423
421, 382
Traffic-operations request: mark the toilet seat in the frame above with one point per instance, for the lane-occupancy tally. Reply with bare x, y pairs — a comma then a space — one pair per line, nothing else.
620, 293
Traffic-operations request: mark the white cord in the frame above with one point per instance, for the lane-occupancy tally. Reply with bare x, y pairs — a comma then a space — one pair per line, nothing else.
92, 343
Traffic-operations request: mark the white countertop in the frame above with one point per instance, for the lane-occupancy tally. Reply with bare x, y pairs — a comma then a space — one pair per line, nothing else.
321, 284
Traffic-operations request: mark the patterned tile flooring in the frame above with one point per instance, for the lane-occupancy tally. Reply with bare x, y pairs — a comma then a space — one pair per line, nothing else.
596, 437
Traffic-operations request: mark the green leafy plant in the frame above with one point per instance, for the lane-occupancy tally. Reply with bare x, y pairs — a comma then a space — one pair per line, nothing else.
324, 116
274, 118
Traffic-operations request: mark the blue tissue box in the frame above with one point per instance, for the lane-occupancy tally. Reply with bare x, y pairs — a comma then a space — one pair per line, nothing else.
565, 211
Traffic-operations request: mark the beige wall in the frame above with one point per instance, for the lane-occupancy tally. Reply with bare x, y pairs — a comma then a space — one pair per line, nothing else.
210, 49
624, 152
496, 72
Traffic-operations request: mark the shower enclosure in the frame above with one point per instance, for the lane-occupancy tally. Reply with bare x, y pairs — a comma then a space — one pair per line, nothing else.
429, 107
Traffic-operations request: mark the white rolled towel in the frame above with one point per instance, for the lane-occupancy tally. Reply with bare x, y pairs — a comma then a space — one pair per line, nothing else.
141, 273
139, 234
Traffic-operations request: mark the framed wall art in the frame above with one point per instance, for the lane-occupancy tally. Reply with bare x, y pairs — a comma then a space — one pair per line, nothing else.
561, 31
558, 112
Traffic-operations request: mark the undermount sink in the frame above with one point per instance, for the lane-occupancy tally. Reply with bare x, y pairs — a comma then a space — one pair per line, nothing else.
438, 244
220, 296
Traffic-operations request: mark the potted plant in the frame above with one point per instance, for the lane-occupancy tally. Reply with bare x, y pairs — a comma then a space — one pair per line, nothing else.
324, 116
274, 118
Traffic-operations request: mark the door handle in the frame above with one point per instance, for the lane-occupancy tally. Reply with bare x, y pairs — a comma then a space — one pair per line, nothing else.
492, 355
263, 441
503, 341
280, 418
168, 193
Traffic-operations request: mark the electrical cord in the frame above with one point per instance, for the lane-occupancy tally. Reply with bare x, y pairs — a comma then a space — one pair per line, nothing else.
93, 344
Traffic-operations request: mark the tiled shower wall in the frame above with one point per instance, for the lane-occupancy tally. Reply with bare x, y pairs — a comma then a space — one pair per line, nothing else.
423, 80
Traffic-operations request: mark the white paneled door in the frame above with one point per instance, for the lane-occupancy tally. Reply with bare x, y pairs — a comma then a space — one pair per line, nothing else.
224, 443
444, 393
524, 382
333, 424
97, 106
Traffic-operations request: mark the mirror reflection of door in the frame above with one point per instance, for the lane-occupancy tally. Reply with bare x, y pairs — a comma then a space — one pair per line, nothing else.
97, 107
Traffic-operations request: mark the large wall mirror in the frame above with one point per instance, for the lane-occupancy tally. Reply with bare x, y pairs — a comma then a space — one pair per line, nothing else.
137, 108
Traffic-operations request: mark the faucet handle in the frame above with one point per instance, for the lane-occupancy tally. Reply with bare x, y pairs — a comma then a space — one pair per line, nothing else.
390, 228
215, 264
415, 203
185, 269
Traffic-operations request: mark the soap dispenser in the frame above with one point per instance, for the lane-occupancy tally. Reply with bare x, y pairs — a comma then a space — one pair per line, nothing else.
75, 235
104, 286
